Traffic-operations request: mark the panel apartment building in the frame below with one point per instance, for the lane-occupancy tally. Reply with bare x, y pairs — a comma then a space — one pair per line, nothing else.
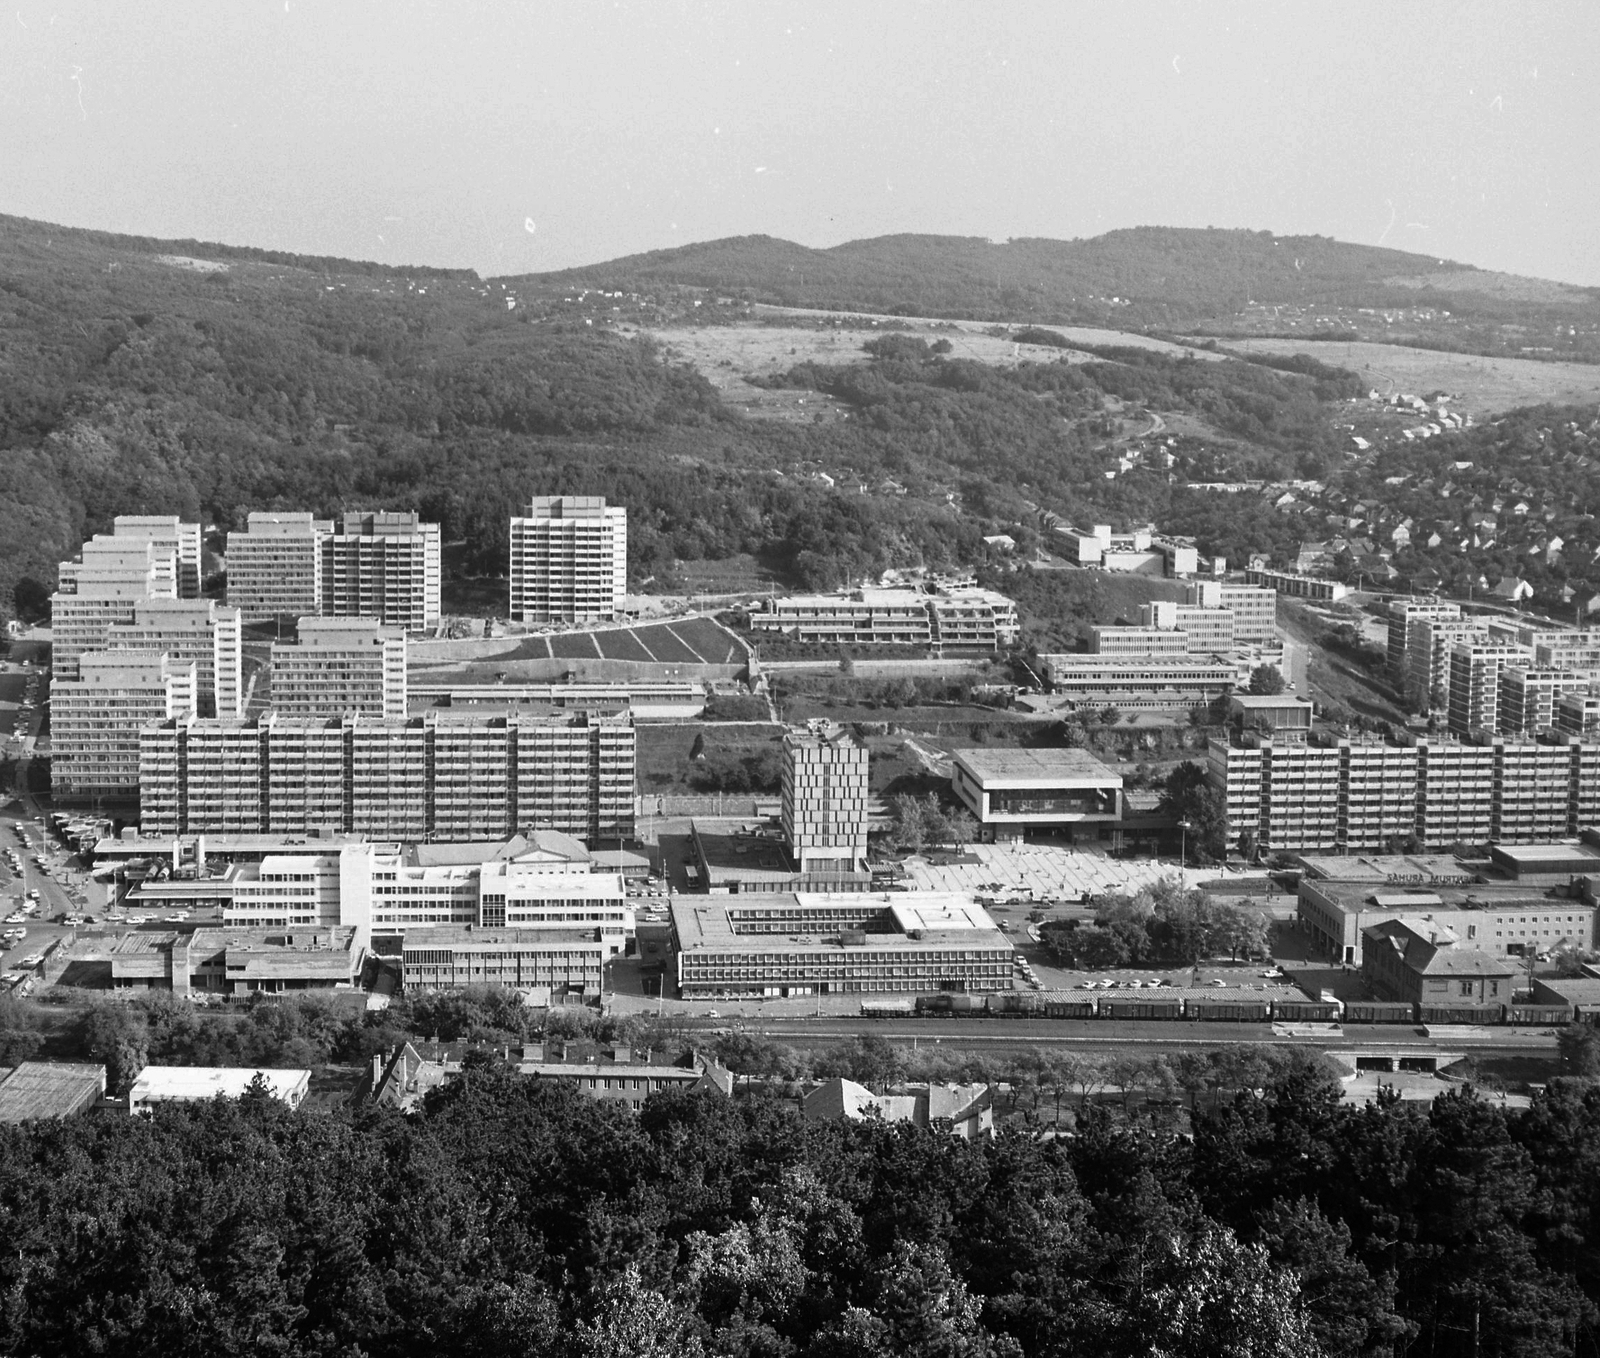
96, 717
339, 665
422, 778
107, 580
382, 566
198, 630
569, 560
1295, 795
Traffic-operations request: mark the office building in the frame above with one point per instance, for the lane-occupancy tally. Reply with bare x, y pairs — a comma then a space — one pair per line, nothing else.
1159, 683
1137, 642
275, 566
1255, 609
1475, 683
566, 962
169, 533
1210, 631
423, 778
95, 719
1012, 791
383, 565
943, 620
824, 808
201, 631
849, 943
339, 665
569, 560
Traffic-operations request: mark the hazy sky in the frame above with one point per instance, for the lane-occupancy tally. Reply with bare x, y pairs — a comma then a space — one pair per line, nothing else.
516, 137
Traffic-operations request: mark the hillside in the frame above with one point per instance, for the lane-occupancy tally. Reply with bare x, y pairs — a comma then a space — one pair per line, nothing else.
1164, 278
149, 376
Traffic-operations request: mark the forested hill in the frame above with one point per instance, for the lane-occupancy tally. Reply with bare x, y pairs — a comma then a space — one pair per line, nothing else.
1147, 276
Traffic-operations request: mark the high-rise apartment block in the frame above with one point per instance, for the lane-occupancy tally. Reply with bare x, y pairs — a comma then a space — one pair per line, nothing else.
1475, 668
1364, 794
169, 533
1429, 641
1528, 697
384, 566
96, 717
569, 559
275, 566
198, 630
1403, 614
380, 565
340, 665
824, 806
102, 585
423, 778
1577, 714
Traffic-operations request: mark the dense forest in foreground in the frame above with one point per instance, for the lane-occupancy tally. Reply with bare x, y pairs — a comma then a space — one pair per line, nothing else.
515, 1217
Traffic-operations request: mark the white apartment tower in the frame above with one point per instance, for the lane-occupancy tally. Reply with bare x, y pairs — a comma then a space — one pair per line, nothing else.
103, 586
198, 630
569, 559
383, 565
275, 566
168, 532
340, 665
824, 801
96, 718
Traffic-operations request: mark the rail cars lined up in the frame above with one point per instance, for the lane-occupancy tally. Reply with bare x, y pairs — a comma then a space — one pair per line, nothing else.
1067, 1004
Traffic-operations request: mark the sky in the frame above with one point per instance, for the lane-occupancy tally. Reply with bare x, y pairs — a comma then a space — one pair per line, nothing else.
523, 136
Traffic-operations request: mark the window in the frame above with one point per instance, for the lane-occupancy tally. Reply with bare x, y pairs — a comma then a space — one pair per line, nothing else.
1466, 988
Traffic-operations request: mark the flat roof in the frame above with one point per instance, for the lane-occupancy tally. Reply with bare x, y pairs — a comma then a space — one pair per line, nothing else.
475, 935
743, 858
1411, 867
1536, 855
1358, 897
49, 1089
1004, 765
943, 918
159, 1083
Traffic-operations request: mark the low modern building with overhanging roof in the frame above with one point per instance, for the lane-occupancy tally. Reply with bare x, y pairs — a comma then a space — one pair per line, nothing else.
1012, 791
797, 944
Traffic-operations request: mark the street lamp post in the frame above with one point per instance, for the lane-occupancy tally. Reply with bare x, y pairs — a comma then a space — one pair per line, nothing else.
1183, 843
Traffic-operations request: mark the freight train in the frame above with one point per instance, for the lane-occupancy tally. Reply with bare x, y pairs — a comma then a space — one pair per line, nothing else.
1066, 1004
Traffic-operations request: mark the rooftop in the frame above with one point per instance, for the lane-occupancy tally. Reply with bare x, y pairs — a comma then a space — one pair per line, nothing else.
951, 918
48, 1089
162, 1083
1396, 868
987, 762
